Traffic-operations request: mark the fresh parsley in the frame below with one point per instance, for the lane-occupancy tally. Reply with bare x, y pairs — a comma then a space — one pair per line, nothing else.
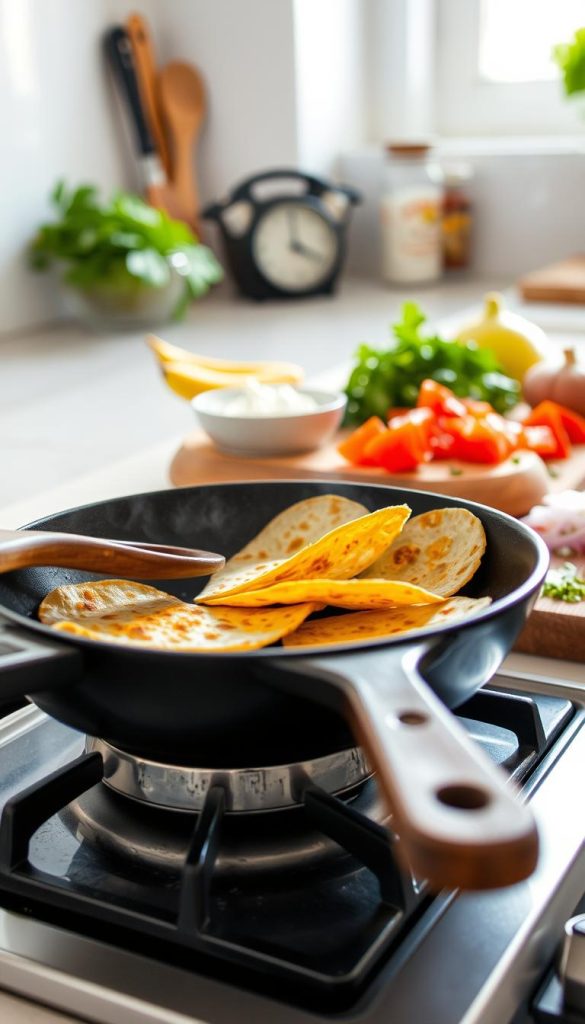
391, 377
564, 584
122, 244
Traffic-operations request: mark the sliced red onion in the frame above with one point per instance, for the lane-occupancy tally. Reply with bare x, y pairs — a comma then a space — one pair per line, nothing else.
560, 521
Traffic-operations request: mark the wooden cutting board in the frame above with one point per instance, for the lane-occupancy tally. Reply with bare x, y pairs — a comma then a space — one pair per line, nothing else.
555, 629
514, 486
559, 282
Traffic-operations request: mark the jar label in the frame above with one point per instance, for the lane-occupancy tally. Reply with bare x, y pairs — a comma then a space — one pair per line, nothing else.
411, 234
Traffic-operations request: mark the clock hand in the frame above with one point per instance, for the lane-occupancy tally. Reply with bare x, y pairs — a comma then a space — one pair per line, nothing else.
292, 228
305, 250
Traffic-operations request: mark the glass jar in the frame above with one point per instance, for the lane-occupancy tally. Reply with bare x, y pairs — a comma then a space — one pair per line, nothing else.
457, 217
410, 215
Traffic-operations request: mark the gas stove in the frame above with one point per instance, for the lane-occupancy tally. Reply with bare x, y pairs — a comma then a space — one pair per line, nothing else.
133, 891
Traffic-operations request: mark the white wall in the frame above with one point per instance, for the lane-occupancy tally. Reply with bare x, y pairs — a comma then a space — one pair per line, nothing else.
245, 51
329, 80
57, 117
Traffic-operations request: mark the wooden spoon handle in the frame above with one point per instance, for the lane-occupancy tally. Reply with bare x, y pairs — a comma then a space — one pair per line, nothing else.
22, 548
142, 48
459, 820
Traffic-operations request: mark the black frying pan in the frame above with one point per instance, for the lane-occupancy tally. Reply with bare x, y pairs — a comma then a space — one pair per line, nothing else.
459, 823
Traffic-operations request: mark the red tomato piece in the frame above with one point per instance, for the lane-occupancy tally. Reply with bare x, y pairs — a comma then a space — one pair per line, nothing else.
404, 445
573, 423
475, 440
540, 440
352, 447
440, 399
396, 411
547, 414
477, 408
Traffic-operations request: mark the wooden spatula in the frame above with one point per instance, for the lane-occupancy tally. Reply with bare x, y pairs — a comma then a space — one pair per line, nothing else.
183, 103
20, 549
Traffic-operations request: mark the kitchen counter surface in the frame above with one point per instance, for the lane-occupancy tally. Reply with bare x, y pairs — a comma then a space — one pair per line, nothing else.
86, 417
74, 402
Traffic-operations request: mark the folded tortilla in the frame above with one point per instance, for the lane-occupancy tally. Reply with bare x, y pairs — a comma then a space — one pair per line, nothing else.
320, 538
121, 612
439, 550
376, 625
356, 593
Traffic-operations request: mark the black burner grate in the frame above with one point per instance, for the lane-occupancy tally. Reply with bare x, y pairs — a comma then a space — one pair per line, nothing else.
312, 936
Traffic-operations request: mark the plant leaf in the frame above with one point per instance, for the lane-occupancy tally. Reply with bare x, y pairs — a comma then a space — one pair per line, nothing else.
149, 266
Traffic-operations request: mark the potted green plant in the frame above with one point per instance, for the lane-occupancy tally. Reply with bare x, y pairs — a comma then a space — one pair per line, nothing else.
123, 263
570, 58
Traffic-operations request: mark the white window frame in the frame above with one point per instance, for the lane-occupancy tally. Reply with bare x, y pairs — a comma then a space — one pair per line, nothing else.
467, 106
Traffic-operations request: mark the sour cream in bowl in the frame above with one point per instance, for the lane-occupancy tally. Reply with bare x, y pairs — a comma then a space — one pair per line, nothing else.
269, 419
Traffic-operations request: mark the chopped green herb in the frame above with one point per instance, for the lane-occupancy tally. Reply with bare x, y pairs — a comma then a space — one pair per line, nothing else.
552, 471
455, 471
515, 459
391, 377
564, 584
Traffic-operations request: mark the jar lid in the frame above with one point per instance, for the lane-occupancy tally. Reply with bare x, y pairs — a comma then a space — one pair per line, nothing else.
413, 149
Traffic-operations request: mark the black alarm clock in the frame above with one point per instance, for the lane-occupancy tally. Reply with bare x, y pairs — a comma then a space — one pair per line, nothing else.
284, 234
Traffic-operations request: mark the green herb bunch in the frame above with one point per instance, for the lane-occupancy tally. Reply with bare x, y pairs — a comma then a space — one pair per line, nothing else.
391, 377
121, 244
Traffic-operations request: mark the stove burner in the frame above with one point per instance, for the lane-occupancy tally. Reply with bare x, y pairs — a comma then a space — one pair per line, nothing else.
246, 789
256, 846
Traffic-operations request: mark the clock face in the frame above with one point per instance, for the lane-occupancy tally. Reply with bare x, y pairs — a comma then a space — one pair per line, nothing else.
294, 247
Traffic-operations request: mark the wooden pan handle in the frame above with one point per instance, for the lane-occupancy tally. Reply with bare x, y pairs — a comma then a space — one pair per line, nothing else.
460, 821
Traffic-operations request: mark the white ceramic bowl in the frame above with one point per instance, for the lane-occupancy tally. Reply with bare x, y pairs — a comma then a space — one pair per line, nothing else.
283, 434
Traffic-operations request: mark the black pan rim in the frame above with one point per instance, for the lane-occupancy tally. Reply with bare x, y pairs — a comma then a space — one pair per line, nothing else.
413, 637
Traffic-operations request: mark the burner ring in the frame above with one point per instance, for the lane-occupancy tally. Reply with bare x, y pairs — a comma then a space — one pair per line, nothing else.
247, 789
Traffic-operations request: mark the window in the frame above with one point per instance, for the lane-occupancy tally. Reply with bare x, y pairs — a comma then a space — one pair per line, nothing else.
509, 52
495, 74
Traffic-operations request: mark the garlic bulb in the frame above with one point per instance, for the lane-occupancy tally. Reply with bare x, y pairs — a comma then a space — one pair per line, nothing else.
563, 383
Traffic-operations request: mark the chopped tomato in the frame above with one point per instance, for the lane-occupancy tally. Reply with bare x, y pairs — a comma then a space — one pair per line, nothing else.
475, 440
404, 445
547, 414
477, 408
443, 426
511, 429
440, 399
540, 440
397, 411
352, 447
573, 423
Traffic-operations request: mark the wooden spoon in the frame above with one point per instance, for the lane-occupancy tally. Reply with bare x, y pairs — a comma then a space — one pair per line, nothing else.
20, 549
183, 104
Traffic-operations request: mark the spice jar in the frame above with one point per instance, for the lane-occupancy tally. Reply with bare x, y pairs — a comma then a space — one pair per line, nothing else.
410, 215
457, 217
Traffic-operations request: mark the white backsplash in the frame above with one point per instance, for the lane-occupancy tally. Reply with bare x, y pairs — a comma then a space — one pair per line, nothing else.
528, 205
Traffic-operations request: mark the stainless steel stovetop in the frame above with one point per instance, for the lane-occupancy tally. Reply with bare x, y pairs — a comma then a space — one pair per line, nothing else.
466, 959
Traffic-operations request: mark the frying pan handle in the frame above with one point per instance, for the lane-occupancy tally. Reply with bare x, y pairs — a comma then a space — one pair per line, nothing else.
460, 821
29, 664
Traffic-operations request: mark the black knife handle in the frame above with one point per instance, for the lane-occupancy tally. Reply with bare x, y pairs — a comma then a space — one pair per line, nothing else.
119, 50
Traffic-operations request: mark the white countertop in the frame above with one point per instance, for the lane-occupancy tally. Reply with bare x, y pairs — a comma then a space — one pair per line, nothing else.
85, 417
